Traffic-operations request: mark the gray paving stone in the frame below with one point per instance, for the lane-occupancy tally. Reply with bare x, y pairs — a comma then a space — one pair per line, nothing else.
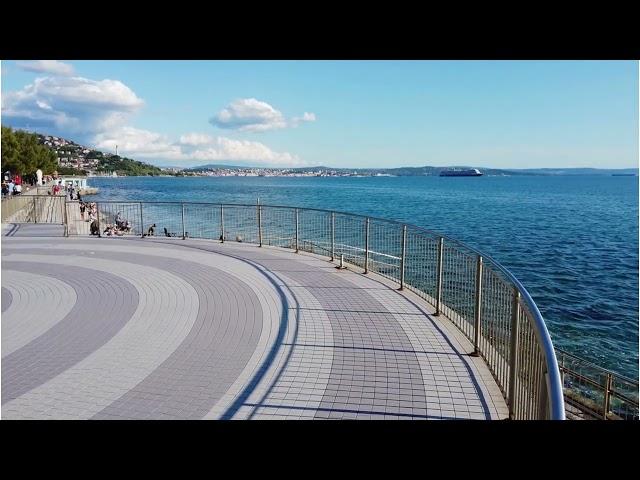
353, 348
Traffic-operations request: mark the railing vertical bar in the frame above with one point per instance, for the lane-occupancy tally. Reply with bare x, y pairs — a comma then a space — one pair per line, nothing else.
439, 275
607, 396
403, 255
141, 222
65, 219
512, 401
222, 223
333, 236
297, 230
478, 306
35, 211
366, 246
259, 224
98, 219
526, 371
184, 233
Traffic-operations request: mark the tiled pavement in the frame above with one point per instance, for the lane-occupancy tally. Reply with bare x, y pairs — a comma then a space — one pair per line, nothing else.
165, 328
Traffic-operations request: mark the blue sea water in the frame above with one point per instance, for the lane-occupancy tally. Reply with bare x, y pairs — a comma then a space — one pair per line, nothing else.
571, 240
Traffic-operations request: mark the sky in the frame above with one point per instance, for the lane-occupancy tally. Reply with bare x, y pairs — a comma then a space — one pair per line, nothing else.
351, 114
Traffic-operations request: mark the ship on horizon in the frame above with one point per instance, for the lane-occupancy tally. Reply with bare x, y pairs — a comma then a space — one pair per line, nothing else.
472, 172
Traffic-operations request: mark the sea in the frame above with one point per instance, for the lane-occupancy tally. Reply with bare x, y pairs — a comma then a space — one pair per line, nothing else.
571, 240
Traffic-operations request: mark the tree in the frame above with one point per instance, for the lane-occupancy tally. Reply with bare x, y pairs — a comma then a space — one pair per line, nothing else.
22, 154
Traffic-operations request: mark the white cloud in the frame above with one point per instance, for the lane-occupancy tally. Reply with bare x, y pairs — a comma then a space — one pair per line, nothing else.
97, 113
252, 115
192, 148
134, 142
71, 105
306, 117
228, 149
196, 139
53, 67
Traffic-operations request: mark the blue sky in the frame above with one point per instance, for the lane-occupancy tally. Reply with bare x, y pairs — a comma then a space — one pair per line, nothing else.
503, 114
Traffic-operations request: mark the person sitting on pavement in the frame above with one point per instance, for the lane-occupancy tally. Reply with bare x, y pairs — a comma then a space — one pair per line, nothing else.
119, 220
95, 230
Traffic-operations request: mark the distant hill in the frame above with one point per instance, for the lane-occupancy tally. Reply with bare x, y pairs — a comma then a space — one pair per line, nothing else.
75, 158
432, 171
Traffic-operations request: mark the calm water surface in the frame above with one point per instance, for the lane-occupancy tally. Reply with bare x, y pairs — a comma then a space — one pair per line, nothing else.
572, 241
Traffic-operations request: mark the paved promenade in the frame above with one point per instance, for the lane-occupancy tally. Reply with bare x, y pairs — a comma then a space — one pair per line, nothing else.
125, 328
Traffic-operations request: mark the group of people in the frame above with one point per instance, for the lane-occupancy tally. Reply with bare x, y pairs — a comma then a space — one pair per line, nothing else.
9, 188
92, 213
69, 191
121, 226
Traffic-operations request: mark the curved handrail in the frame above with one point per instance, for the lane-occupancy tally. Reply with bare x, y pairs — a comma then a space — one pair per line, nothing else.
552, 390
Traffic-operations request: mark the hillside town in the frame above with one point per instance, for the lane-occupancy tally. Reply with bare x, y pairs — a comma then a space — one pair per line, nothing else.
73, 155
267, 172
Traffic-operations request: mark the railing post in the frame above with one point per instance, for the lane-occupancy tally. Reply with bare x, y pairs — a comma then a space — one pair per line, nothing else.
141, 222
259, 224
607, 396
439, 275
366, 246
403, 255
65, 218
513, 358
544, 406
478, 309
184, 233
35, 211
333, 236
296, 230
222, 223
98, 219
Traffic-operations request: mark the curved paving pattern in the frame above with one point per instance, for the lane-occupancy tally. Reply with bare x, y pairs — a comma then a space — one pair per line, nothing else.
74, 337
213, 330
39, 301
7, 298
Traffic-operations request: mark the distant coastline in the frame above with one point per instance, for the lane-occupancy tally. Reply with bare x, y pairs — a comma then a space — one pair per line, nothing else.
322, 171
74, 158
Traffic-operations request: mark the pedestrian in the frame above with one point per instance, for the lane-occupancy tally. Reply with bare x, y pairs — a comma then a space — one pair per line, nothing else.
83, 207
95, 230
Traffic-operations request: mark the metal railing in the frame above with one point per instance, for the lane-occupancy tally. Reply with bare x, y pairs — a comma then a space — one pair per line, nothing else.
593, 392
34, 209
481, 297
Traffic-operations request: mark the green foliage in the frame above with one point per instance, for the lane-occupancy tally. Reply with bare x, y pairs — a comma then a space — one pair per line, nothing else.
22, 154
126, 166
94, 154
71, 171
